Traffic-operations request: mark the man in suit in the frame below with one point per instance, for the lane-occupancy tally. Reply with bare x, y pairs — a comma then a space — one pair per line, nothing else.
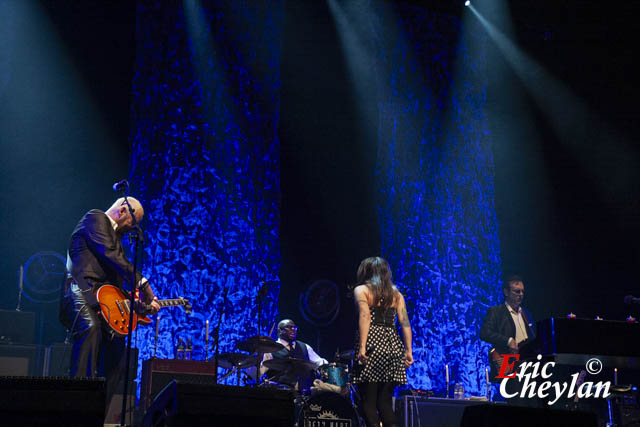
287, 334
508, 325
96, 257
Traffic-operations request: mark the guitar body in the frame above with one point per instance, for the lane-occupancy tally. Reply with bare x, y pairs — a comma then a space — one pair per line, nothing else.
496, 359
495, 362
115, 310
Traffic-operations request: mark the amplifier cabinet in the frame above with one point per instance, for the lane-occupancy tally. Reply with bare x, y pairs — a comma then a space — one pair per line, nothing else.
17, 327
57, 360
157, 373
21, 360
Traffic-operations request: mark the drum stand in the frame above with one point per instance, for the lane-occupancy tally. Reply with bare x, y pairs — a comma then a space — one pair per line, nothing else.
354, 391
234, 370
266, 381
231, 372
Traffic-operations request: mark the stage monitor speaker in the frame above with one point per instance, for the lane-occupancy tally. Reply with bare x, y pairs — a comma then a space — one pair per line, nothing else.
421, 411
40, 401
21, 360
17, 327
193, 405
494, 415
157, 373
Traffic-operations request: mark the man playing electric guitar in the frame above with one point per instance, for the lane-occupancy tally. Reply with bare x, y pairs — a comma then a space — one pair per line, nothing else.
507, 326
96, 257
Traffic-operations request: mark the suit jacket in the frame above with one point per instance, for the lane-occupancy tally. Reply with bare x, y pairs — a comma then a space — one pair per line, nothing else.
499, 326
96, 255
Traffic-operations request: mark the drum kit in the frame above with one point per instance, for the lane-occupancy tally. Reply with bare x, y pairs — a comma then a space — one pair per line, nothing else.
331, 400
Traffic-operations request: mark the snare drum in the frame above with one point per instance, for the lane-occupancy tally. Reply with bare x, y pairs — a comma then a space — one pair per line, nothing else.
334, 373
327, 409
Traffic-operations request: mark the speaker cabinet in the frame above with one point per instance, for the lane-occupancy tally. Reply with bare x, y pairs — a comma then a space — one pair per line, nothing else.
193, 405
157, 373
17, 327
40, 401
493, 415
57, 358
20, 360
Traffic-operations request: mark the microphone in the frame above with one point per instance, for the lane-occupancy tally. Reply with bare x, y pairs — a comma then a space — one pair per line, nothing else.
121, 185
630, 299
264, 288
367, 353
370, 350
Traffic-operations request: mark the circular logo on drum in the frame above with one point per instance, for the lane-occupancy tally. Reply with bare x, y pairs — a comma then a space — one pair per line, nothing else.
328, 414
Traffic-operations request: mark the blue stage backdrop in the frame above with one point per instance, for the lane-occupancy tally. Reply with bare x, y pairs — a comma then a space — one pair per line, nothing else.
205, 165
436, 199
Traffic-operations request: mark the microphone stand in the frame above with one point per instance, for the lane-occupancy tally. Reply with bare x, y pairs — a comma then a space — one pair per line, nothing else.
134, 288
20, 286
155, 341
262, 292
216, 355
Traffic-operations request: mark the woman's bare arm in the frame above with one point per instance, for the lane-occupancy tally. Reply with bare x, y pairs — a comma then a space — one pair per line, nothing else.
403, 318
362, 296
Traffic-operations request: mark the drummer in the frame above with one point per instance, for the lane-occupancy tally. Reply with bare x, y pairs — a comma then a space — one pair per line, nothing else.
287, 333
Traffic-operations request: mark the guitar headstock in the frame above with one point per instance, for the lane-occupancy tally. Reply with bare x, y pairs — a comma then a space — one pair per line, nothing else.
186, 304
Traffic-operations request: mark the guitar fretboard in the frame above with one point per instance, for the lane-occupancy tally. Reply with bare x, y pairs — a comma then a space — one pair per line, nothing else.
170, 302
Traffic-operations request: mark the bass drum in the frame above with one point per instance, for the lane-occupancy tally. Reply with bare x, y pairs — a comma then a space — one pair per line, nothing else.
327, 409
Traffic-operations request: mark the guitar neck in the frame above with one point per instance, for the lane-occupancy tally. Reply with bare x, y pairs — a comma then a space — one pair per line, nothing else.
170, 302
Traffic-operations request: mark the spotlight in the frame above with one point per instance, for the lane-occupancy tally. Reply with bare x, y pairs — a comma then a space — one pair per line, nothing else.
467, 3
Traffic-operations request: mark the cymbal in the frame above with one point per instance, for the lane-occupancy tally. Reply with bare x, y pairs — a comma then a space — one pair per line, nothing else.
290, 365
259, 344
236, 360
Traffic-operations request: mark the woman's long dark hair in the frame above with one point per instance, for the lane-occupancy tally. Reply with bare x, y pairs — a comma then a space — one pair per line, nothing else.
376, 274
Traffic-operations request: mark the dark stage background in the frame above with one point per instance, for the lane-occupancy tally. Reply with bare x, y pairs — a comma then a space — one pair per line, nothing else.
65, 84
568, 166
565, 168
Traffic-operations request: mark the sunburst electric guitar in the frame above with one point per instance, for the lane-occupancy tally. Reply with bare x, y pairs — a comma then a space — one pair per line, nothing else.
496, 359
114, 308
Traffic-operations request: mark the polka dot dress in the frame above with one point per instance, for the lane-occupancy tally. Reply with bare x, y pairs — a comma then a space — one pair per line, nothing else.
386, 362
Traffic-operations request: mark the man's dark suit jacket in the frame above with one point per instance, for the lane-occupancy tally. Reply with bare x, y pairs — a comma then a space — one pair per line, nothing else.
499, 326
96, 256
